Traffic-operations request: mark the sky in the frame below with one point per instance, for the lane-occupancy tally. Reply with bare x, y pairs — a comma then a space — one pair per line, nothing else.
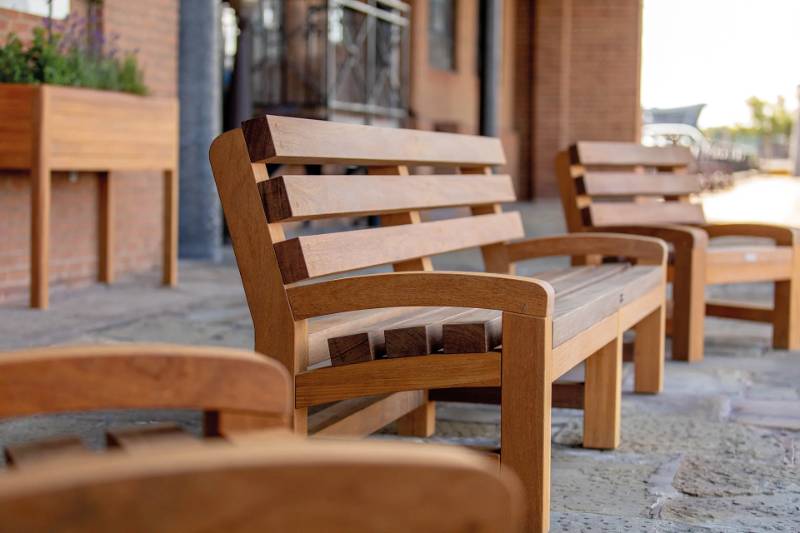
720, 52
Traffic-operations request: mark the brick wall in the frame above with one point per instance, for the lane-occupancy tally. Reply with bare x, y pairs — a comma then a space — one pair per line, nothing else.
149, 27
586, 78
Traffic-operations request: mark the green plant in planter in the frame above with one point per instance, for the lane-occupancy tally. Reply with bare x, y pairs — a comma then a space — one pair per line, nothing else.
51, 59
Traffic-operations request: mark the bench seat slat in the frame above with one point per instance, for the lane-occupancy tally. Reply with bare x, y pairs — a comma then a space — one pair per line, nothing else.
276, 139
290, 198
600, 214
583, 308
619, 154
636, 184
46, 450
318, 255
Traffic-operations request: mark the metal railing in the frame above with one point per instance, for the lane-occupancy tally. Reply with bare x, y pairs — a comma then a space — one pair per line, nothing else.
322, 58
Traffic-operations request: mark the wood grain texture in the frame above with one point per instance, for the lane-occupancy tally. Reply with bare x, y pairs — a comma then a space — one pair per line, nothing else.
18, 104
623, 154
648, 353
44, 451
574, 312
600, 214
276, 332
295, 140
84, 378
637, 184
646, 250
105, 232
448, 289
603, 397
321, 329
318, 255
101, 130
743, 264
420, 336
383, 376
146, 438
343, 490
290, 198
740, 311
477, 331
360, 417
366, 345
41, 184
526, 411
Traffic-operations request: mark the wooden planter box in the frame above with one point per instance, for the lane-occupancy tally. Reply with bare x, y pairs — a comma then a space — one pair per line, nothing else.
46, 128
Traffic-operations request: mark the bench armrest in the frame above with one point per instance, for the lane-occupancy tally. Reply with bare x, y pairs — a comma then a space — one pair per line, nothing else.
677, 235
781, 235
515, 294
647, 250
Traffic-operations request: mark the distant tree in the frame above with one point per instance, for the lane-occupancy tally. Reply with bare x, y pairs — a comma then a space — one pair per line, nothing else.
770, 124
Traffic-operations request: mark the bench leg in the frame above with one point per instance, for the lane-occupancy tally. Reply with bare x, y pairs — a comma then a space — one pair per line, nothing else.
525, 417
421, 422
603, 397
786, 321
648, 353
688, 293
300, 421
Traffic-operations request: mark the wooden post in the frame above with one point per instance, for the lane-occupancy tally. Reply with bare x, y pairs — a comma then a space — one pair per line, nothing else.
648, 353
40, 208
170, 251
603, 397
105, 252
526, 400
688, 294
786, 321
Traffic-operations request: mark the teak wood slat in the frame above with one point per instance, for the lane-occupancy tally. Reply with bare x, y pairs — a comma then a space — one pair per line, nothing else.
284, 306
46, 451
621, 213
340, 487
289, 198
637, 184
318, 255
589, 173
293, 140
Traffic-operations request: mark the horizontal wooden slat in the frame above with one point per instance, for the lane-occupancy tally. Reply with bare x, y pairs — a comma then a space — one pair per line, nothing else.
320, 329
290, 198
296, 140
566, 395
589, 153
366, 345
359, 417
581, 309
144, 438
739, 311
318, 255
629, 213
46, 450
422, 336
741, 264
391, 375
636, 184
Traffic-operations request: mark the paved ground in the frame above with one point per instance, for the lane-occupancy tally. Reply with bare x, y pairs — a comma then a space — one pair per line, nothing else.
719, 450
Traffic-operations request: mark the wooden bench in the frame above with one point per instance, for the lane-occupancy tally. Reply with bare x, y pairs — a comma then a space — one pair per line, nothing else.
543, 336
162, 479
629, 188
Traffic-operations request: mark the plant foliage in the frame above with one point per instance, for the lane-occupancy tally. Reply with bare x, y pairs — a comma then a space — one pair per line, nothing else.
58, 58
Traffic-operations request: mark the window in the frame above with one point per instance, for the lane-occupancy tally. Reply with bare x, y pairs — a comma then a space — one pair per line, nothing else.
441, 34
59, 8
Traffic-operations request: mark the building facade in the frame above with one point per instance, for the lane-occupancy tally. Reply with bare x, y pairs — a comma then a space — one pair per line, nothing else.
539, 74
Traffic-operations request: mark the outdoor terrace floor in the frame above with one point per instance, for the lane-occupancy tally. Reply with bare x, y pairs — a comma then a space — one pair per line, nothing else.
719, 450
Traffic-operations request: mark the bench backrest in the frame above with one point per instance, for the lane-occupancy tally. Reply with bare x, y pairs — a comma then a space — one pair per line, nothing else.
143, 376
257, 208
619, 184
286, 485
